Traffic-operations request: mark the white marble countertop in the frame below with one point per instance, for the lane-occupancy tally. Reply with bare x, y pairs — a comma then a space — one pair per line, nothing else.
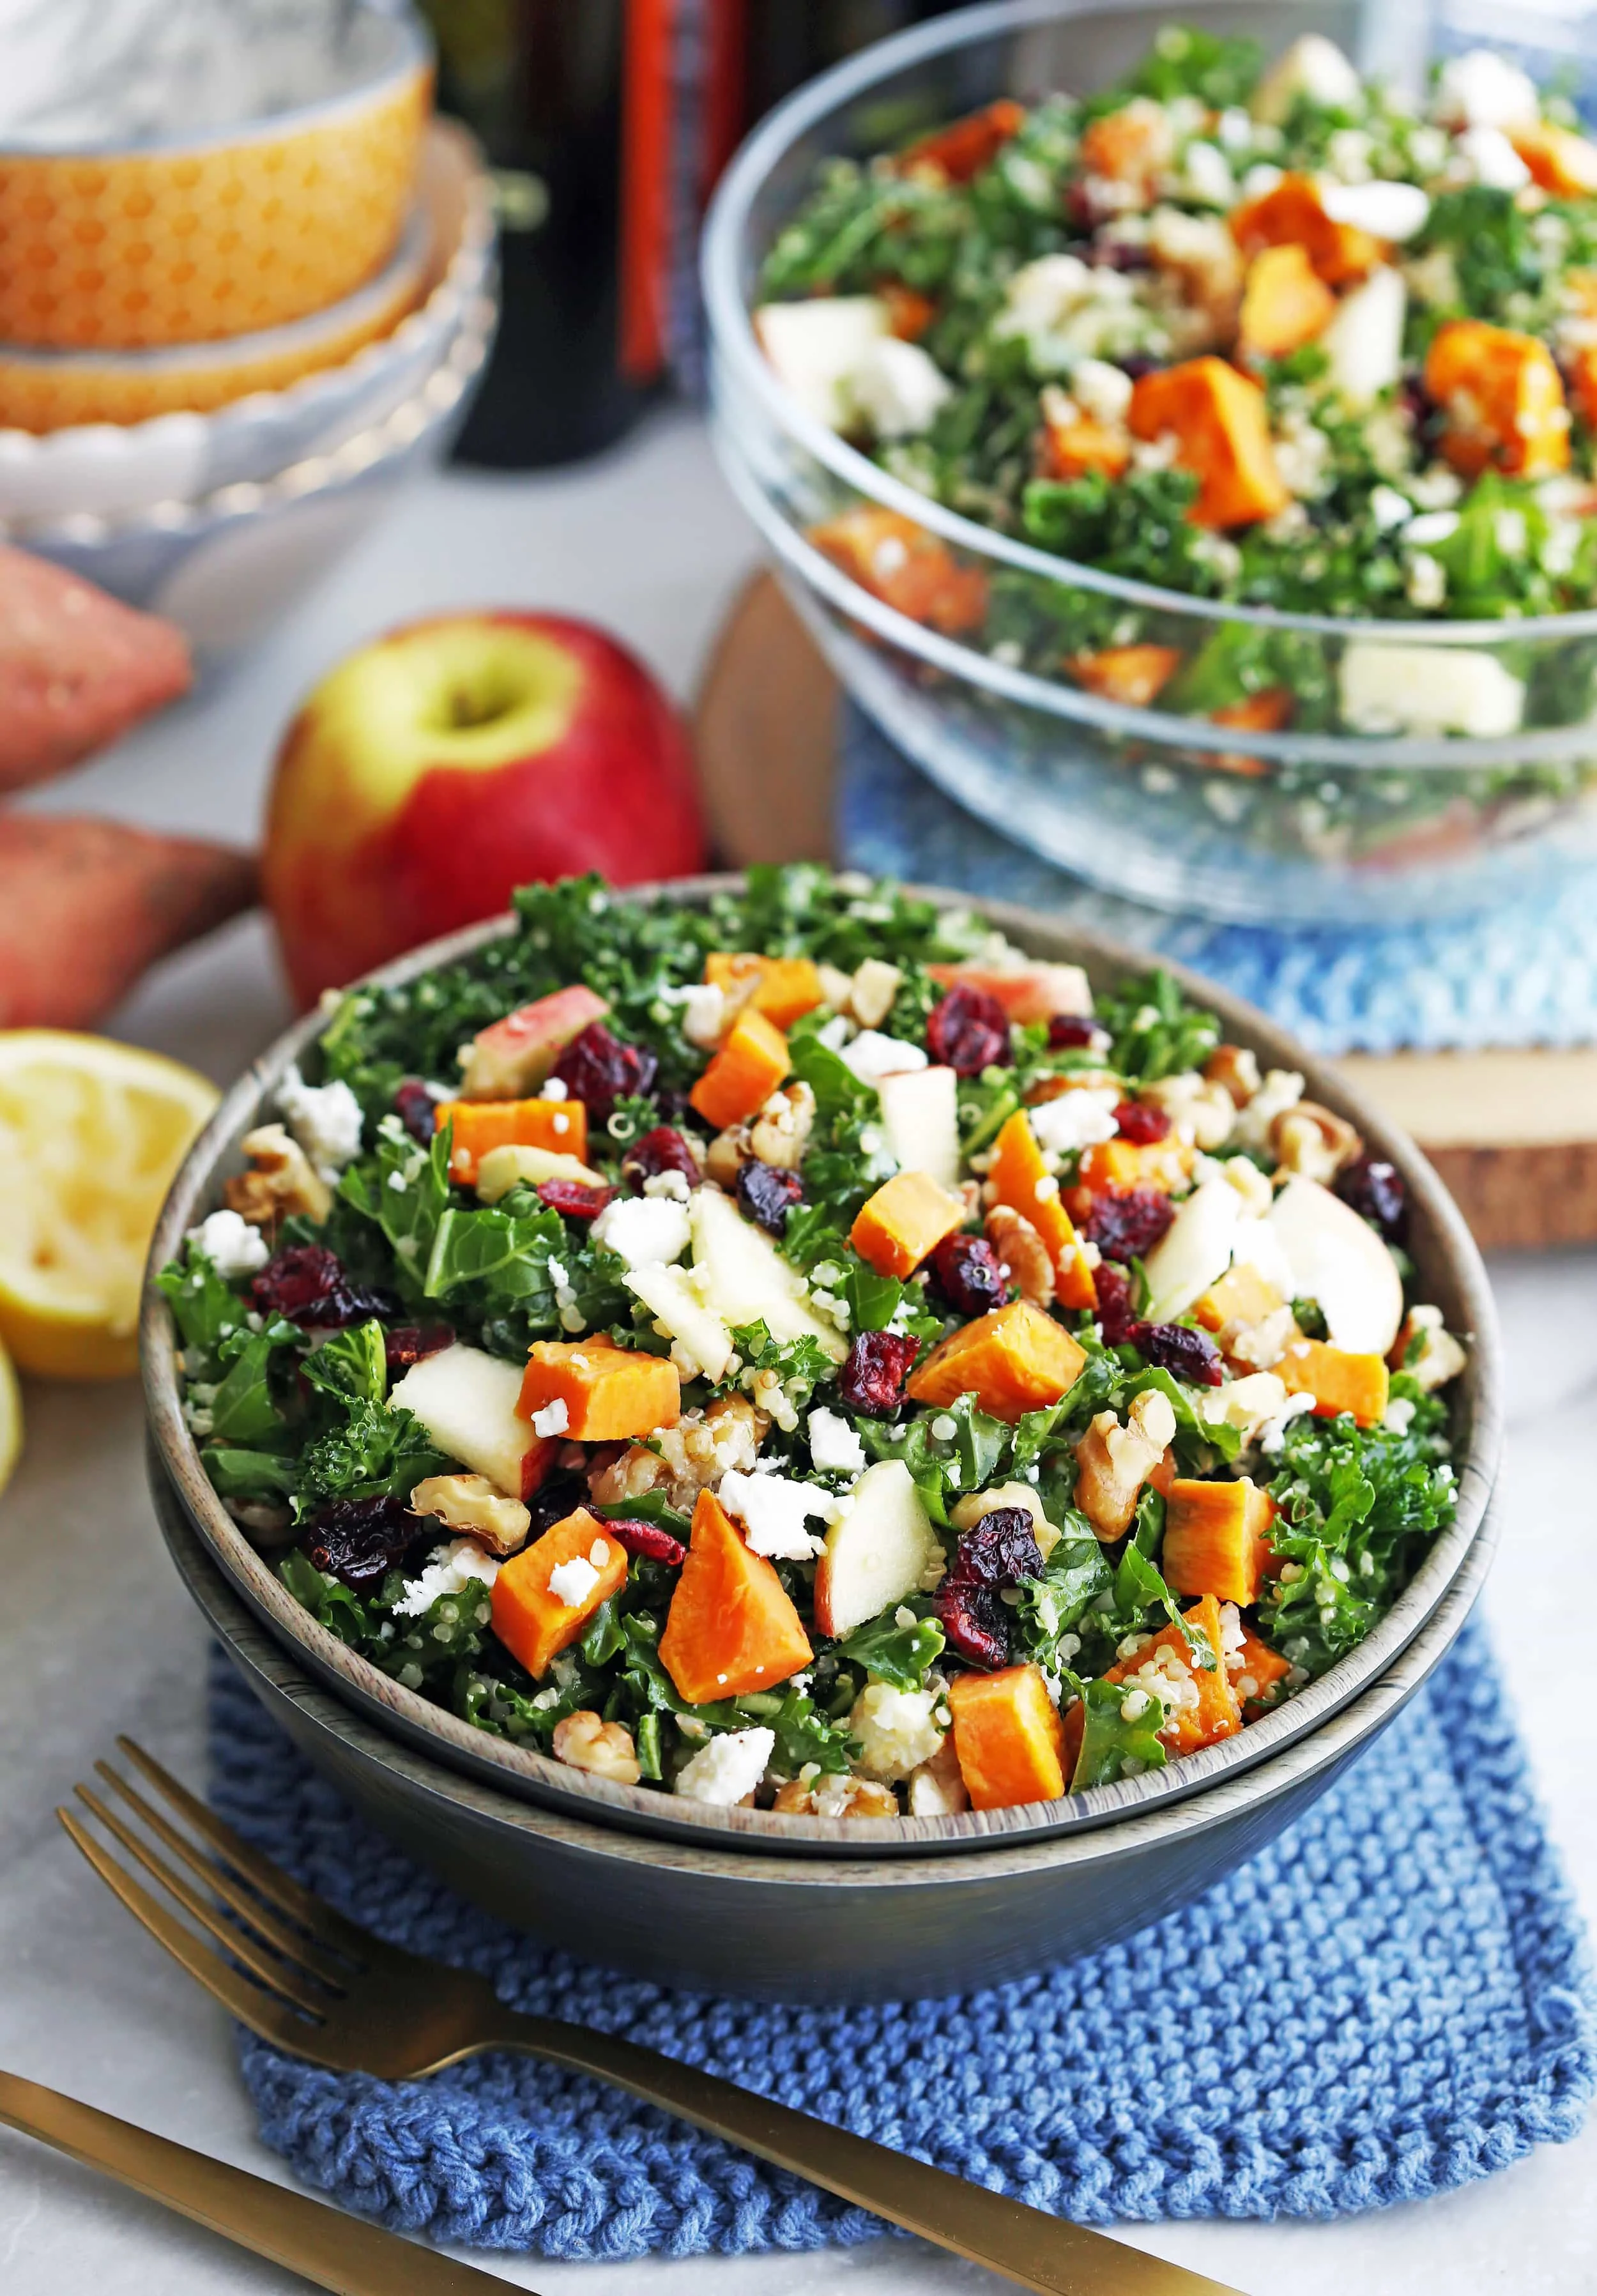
97, 1636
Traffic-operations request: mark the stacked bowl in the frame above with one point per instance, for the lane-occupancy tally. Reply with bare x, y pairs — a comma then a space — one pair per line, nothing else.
246, 286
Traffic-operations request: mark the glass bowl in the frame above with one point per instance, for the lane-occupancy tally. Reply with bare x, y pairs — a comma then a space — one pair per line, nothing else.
1392, 810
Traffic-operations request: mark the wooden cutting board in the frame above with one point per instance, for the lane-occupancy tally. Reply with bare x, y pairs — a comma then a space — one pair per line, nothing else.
1514, 1134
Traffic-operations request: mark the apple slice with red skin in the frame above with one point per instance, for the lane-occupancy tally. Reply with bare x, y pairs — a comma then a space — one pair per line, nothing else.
881, 1550
466, 1400
436, 770
512, 1057
1028, 993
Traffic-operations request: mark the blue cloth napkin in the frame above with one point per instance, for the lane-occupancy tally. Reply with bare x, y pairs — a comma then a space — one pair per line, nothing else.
1391, 2000
1524, 974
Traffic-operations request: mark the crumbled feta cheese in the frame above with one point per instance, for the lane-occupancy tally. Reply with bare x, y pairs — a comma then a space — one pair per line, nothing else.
324, 1118
1428, 690
1100, 390
553, 1419
1425, 582
897, 1730
1484, 155
1245, 1404
1272, 1435
573, 1582
449, 1570
1066, 310
1481, 89
815, 345
1395, 211
1399, 1413
644, 1231
703, 1011
774, 1509
871, 1055
554, 1088
1206, 174
1282, 1088
1075, 1120
727, 1770
232, 1247
896, 388
834, 1445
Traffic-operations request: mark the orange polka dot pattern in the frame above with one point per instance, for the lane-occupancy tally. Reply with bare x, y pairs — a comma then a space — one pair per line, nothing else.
141, 249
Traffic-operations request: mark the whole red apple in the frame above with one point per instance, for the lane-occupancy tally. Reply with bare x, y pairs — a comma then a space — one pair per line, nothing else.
437, 769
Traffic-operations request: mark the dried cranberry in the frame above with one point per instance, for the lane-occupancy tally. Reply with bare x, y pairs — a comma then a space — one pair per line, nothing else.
1126, 1223
404, 1344
975, 1622
1122, 255
768, 1194
1378, 1193
663, 1150
995, 1552
358, 1540
1116, 1311
1070, 1029
647, 1539
967, 1032
1191, 1354
573, 1200
871, 1379
968, 1274
416, 1106
1142, 1122
557, 1496
305, 1284
598, 1069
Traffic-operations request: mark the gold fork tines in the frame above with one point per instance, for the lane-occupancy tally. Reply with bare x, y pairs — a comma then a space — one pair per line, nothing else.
300, 1974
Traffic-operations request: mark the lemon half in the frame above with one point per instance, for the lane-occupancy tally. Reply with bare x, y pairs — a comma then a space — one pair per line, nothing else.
91, 1133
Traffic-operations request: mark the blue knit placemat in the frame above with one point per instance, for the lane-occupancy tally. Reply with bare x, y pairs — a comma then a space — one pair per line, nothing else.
1392, 1999
1526, 974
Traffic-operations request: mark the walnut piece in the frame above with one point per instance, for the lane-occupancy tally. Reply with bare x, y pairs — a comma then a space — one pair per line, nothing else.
1022, 1254
603, 1749
1237, 1068
282, 1184
694, 1454
472, 1507
780, 1134
836, 1797
1308, 1139
1112, 1463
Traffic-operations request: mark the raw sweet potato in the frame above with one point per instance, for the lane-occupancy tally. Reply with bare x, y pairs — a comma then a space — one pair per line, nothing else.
1137, 1163
77, 669
1221, 427
512, 1057
1216, 1538
785, 987
481, 1125
1008, 1737
751, 1062
611, 1394
906, 1218
87, 906
1214, 1713
1013, 1360
530, 1618
907, 569
1562, 163
964, 148
1502, 399
1337, 1380
1290, 214
1285, 303
1022, 1180
1241, 1296
1134, 674
1257, 1674
732, 1628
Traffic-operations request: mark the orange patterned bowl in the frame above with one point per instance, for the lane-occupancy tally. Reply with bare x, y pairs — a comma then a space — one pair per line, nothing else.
187, 236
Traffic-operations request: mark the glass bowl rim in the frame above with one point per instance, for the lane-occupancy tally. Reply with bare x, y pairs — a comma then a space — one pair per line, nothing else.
732, 339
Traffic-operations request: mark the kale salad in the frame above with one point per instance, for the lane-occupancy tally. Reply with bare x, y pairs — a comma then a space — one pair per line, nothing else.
799, 1351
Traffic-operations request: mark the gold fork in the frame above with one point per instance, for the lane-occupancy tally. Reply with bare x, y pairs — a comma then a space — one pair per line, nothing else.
328, 1990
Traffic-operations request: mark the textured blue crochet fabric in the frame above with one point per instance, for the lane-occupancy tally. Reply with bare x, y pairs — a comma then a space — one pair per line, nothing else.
1392, 1999
1526, 974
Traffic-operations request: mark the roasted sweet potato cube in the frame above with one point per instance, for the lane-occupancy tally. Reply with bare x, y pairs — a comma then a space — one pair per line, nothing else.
906, 1218
1071, 449
909, 570
481, 1125
1562, 163
1503, 397
1130, 145
1134, 674
1205, 1708
1285, 303
909, 312
785, 988
1337, 1380
1241, 1296
1216, 1538
611, 1394
1022, 1180
751, 1062
1013, 1360
1221, 427
966, 146
1290, 214
536, 1621
1582, 384
732, 1628
1258, 1673
1163, 1164
1007, 1737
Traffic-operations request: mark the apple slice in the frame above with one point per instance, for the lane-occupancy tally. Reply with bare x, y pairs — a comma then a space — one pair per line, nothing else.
467, 1402
1195, 1251
1026, 992
880, 1550
815, 345
512, 1057
920, 1114
672, 1296
504, 1169
1337, 1258
745, 1280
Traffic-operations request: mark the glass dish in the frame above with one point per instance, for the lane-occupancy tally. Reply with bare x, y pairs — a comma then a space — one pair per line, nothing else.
1370, 821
